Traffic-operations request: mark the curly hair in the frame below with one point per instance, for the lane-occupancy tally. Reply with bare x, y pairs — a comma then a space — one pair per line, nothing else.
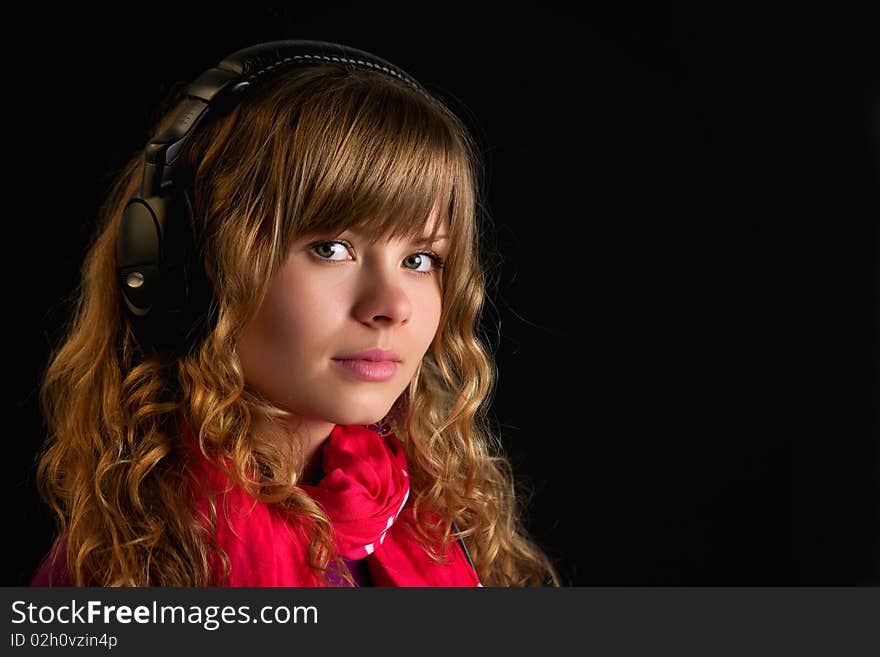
319, 150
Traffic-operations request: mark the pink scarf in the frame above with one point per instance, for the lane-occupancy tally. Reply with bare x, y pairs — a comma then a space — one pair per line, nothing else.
364, 492
364, 489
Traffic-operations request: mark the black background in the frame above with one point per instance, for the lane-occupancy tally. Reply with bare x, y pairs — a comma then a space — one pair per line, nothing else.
686, 203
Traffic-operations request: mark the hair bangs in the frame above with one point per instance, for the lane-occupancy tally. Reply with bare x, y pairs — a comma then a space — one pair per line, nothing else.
381, 159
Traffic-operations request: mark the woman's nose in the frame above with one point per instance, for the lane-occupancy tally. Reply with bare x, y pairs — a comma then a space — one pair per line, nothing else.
383, 298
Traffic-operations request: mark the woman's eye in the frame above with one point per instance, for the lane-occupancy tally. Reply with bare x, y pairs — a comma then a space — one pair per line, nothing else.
432, 261
326, 250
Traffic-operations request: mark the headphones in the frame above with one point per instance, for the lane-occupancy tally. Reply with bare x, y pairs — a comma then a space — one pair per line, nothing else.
168, 299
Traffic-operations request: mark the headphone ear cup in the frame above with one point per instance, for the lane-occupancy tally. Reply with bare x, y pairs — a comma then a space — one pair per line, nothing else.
178, 310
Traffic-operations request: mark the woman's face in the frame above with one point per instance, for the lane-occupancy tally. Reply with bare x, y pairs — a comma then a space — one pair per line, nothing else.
332, 300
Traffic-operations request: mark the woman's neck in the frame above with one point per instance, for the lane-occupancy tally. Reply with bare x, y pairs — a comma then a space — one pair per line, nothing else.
312, 436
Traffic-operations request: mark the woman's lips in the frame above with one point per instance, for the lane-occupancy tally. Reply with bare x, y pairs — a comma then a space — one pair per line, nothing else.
370, 370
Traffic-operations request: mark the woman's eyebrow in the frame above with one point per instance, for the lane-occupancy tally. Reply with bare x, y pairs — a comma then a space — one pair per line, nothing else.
427, 240
419, 241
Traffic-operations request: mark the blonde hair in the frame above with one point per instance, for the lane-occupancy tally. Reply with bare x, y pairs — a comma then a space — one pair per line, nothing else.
318, 150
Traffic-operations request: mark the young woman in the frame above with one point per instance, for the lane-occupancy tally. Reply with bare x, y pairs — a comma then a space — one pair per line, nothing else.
313, 412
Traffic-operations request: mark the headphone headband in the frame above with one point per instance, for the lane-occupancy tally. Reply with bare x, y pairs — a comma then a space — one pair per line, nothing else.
239, 72
254, 61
